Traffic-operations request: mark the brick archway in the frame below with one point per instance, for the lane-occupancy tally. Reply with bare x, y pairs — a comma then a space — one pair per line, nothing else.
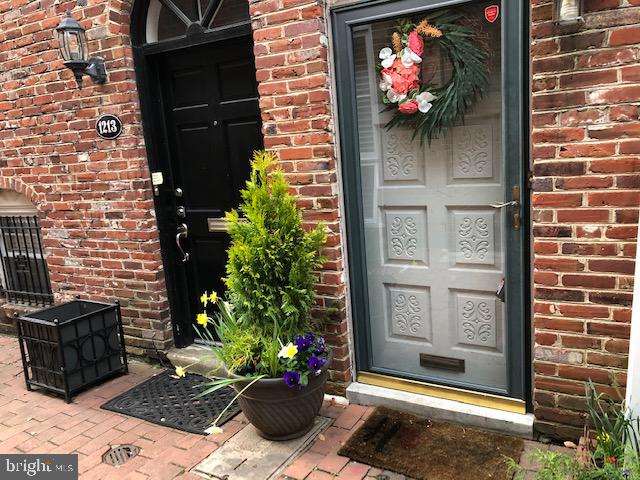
16, 184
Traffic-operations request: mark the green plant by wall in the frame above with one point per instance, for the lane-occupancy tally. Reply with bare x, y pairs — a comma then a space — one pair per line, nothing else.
615, 456
561, 466
611, 423
272, 259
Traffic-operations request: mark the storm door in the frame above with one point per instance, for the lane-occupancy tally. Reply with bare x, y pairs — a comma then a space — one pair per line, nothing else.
435, 229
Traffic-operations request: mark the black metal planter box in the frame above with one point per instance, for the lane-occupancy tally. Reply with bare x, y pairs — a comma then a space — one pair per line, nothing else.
69, 347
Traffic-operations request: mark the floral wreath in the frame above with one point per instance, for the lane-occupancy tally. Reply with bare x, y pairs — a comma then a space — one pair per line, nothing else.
431, 110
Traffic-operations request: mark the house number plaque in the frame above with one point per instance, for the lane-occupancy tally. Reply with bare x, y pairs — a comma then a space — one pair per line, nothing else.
109, 126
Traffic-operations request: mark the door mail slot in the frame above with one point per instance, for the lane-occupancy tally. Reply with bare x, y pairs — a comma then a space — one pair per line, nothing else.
443, 363
217, 224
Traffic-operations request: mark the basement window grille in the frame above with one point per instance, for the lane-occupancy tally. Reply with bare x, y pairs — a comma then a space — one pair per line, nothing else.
24, 277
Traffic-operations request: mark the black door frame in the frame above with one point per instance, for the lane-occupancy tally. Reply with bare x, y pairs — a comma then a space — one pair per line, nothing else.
156, 141
515, 104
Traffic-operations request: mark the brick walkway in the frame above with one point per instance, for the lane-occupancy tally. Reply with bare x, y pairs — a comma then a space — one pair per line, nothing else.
33, 422
322, 462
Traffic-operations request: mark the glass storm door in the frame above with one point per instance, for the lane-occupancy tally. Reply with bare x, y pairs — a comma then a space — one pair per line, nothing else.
430, 241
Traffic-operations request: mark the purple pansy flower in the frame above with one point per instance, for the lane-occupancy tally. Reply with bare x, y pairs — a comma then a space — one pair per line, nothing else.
302, 343
625, 474
320, 346
310, 336
292, 379
316, 363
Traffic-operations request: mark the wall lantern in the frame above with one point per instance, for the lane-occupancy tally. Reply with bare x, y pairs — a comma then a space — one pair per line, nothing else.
568, 12
72, 42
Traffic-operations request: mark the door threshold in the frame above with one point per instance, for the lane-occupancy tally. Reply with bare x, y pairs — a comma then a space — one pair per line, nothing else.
488, 412
479, 399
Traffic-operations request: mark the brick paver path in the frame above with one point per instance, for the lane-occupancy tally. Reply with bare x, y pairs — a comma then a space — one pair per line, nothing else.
35, 422
322, 461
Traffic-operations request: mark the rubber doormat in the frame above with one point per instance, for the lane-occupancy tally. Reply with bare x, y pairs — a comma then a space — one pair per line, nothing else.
426, 450
167, 400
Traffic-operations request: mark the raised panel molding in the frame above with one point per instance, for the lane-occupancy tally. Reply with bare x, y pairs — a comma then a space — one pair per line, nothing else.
409, 311
474, 237
476, 320
472, 151
406, 235
402, 160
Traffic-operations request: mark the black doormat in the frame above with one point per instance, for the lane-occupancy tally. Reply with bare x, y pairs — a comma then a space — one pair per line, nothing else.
167, 400
428, 450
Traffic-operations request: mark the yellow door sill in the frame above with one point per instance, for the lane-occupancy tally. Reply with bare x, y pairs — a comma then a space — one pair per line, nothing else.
495, 402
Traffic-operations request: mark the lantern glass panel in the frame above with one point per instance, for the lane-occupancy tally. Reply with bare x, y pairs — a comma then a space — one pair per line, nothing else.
76, 46
62, 45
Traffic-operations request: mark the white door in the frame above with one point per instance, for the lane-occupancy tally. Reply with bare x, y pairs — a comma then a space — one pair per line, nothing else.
434, 245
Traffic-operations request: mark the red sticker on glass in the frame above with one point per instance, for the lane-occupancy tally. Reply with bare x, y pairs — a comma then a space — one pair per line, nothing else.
491, 13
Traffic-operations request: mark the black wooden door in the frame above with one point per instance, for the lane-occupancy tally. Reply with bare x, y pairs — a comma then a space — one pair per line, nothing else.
212, 126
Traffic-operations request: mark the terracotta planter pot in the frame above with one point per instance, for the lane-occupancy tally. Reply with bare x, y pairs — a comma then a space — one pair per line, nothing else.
280, 412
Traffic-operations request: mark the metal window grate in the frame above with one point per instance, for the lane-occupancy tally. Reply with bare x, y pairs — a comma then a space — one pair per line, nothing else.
25, 278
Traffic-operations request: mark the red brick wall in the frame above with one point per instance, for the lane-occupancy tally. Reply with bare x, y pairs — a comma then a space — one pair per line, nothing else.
96, 207
293, 75
93, 196
586, 130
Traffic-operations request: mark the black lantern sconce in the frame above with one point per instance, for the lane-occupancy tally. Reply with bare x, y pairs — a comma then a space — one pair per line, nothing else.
72, 42
568, 12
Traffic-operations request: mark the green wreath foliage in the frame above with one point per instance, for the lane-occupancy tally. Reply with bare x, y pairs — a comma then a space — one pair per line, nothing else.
468, 82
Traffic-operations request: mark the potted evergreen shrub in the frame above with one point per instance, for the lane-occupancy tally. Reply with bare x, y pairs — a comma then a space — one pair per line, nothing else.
276, 364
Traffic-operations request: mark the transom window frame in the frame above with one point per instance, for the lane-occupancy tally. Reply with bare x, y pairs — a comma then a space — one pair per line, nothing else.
207, 14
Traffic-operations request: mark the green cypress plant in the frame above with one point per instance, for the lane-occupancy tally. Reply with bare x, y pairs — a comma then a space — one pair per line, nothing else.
272, 258
264, 327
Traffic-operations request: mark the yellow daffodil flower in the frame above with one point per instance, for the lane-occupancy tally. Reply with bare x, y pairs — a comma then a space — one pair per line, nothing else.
204, 298
213, 298
202, 319
181, 372
213, 430
288, 351
604, 437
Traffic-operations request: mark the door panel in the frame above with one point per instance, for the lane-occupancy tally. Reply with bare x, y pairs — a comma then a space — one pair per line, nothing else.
433, 249
213, 125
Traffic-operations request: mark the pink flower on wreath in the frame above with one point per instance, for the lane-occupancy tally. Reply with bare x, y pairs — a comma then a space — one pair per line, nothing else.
416, 43
403, 78
408, 108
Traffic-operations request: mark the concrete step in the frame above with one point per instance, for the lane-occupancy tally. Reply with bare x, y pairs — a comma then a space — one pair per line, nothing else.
197, 359
248, 456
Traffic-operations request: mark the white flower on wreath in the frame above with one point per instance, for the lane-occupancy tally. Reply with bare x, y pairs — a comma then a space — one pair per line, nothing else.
395, 97
409, 57
387, 56
385, 83
424, 100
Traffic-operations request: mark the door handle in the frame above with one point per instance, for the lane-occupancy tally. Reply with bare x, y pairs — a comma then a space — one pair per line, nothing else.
183, 232
502, 205
516, 218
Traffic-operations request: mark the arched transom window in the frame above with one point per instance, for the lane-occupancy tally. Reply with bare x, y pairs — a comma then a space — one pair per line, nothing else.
167, 19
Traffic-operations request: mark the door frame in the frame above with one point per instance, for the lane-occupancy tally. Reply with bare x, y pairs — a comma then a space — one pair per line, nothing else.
152, 110
517, 267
